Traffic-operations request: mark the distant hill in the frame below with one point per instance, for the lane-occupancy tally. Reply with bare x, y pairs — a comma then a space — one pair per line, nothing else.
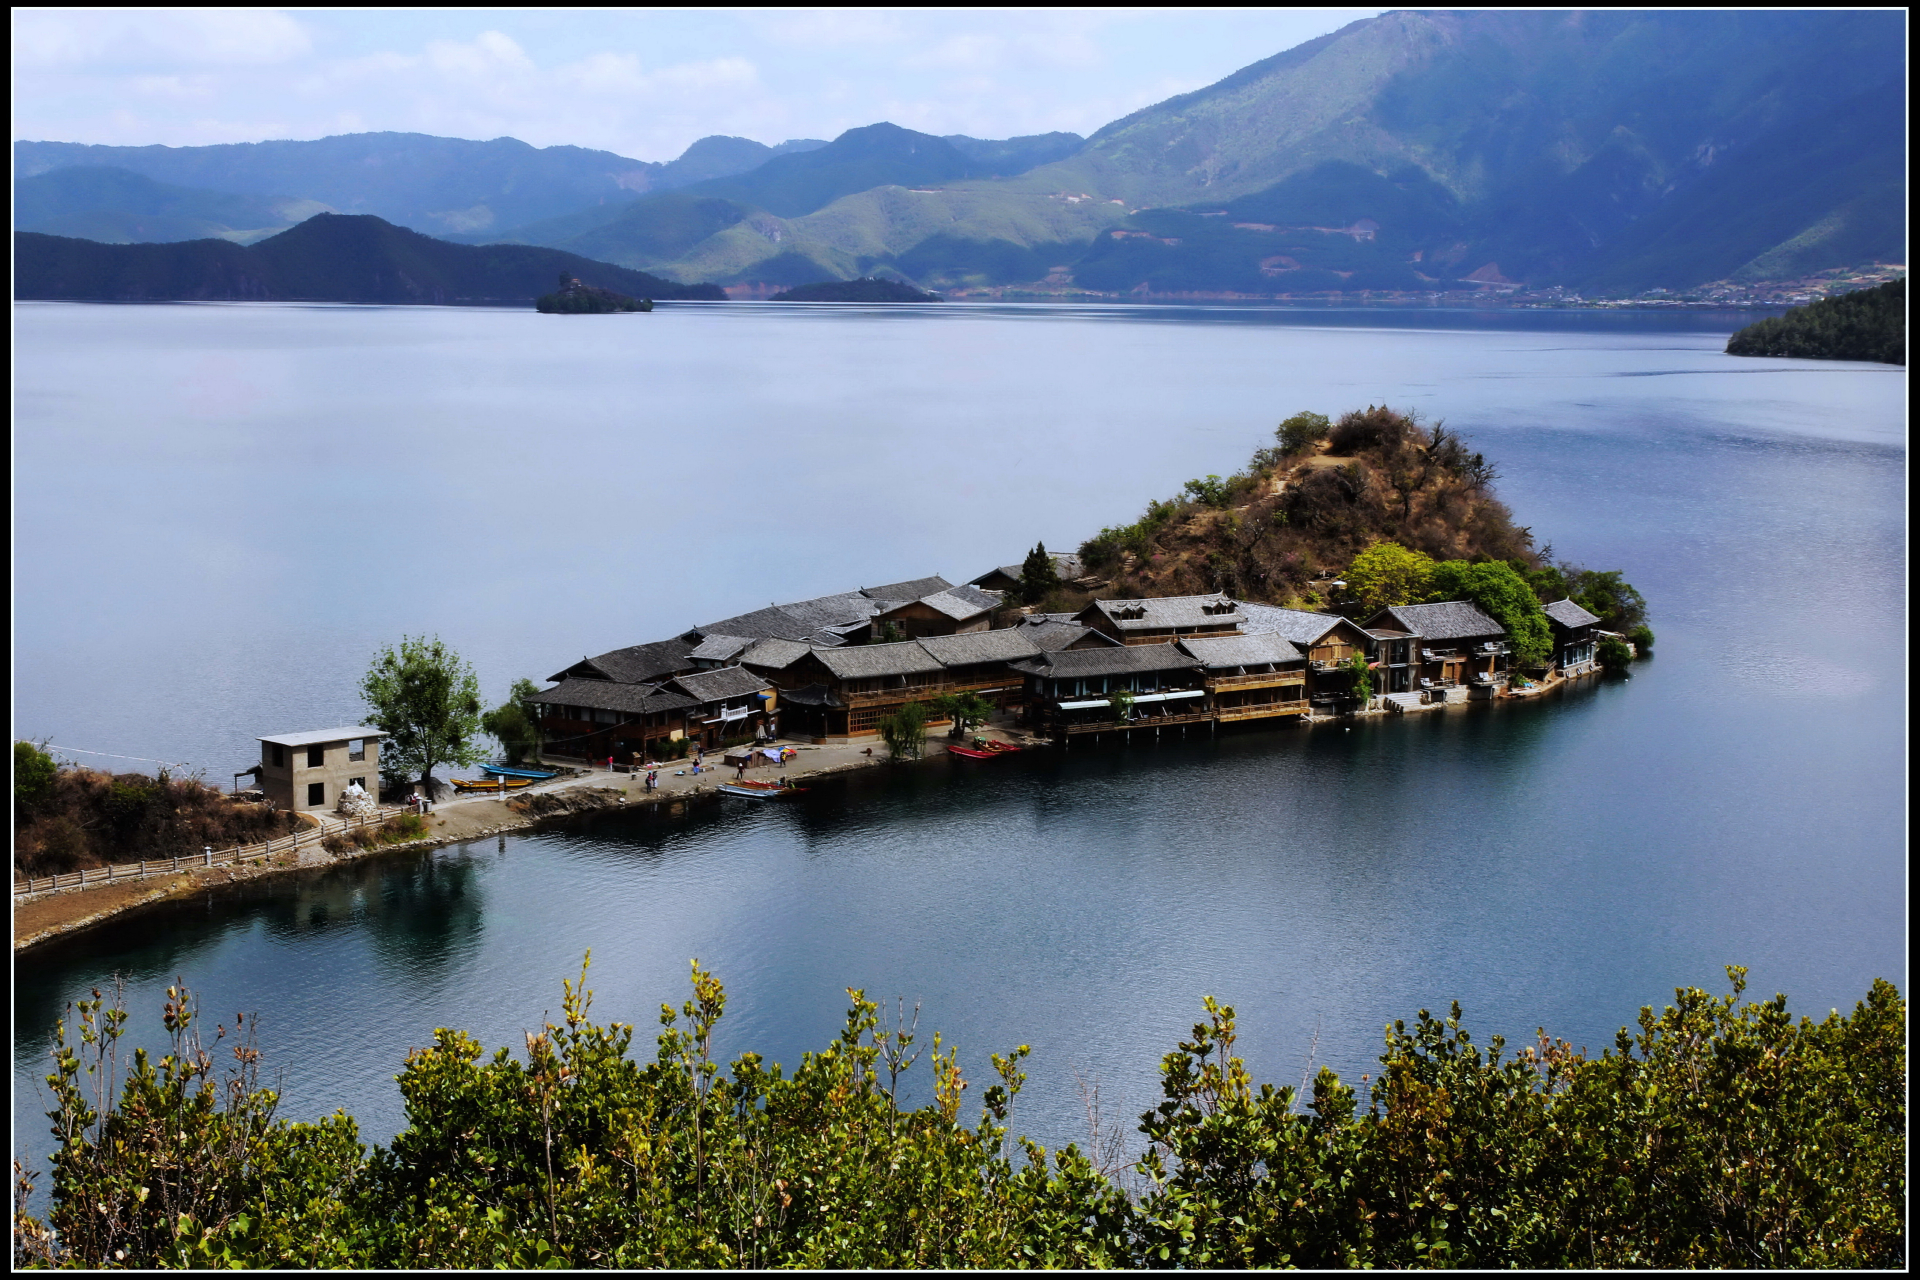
1868, 324
119, 206
327, 258
441, 186
865, 289
1610, 151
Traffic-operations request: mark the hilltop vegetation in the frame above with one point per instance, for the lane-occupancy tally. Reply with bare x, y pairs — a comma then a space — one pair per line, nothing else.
575, 299
1721, 1135
1869, 324
865, 289
327, 258
66, 819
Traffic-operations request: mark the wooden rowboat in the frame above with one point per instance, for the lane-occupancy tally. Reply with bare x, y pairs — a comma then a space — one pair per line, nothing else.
490, 784
986, 752
758, 790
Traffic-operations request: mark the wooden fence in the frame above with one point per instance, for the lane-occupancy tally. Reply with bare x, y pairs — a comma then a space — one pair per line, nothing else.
302, 839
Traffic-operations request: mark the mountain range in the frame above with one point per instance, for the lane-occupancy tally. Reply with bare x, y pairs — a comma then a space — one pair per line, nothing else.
1610, 151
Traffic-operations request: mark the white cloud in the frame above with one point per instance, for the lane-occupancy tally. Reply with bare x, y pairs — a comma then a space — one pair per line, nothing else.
104, 39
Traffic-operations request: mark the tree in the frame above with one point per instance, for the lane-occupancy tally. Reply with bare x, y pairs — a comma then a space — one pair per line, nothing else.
33, 774
426, 699
1614, 654
514, 723
1122, 704
890, 633
964, 709
1039, 576
905, 731
1387, 573
1362, 679
1503, 595
1302, 431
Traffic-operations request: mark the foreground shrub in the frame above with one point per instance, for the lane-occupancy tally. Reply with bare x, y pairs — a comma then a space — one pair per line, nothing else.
1722, 1135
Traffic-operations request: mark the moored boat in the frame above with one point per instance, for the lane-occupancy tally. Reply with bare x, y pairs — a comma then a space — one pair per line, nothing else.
491, 784
532, 775
758, 790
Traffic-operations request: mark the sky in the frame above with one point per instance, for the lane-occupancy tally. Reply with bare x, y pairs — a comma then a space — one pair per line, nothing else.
642, 83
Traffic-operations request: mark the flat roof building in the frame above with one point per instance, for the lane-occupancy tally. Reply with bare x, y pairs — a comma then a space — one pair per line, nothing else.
306, 772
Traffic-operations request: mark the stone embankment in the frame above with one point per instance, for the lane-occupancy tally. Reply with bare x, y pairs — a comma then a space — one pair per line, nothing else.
39, 917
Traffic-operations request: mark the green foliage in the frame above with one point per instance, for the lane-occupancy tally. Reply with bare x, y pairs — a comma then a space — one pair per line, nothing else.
1722, 1135
1356, 666
889, 633
964, 709
1210, 492
575, 299
1867, 324
1613, 653
514, 724
1503, 595
1039, 577
426, 699
1642, 637
1386, 573
1302, 431
33, 774
904, 730
1122, 704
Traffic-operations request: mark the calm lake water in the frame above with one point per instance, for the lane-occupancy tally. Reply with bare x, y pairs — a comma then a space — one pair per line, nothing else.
221, 511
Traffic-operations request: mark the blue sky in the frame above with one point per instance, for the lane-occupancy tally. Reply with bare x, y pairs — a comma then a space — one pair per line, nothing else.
641, 83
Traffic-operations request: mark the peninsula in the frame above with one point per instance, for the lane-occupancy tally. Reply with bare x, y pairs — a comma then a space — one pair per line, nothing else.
1867, 324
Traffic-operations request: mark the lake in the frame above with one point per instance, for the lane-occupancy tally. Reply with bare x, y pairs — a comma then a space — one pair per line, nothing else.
222, 511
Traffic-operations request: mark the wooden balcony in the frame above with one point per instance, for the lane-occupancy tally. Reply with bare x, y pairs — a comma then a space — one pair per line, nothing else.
1263, 709
1260, 680
881, 697
1144, 722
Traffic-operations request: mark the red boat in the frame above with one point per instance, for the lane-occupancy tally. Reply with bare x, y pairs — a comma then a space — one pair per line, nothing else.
986, 751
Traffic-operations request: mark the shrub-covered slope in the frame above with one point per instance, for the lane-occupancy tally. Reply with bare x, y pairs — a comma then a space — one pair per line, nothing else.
1869, 324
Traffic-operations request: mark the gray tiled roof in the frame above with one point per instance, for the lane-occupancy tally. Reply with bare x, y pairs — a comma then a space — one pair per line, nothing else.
1072, 664
774, 655
639, 662
1163, 612
1297, 625
1447, 620
867, 661
959, 603
981, 646
1052, 631
1243, 651
1569, 614
607, 695
912, 589
725, 682
719, 648
1065, 563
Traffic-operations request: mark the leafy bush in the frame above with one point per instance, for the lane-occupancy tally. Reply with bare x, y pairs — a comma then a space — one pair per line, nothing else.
1720, 1135
33, 774
1386, 573
1370, 430
1210, 492
1613, 654
86, 818
905, 732
1504, 596
1642, 637
1302, 432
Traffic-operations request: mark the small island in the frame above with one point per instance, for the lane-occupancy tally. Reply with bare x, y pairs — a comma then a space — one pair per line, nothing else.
865, 289
573, 298
1867, 324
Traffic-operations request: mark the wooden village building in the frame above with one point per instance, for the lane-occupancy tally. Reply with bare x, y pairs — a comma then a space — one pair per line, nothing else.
1456, 650
1070, 692
1164, 619
1575, 638
1252, 677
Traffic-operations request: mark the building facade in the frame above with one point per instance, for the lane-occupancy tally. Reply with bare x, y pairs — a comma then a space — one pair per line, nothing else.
306, 772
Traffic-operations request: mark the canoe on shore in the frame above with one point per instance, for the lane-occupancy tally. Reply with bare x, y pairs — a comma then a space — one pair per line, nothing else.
986, 751
758, 790
491, 784
532, 775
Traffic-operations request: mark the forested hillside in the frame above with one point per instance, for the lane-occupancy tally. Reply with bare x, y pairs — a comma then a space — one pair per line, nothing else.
1870, 324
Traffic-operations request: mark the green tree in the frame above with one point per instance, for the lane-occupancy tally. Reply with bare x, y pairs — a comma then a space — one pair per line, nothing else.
1302, 432
33, 774
889, 633
1122, 704
1362, 679
426, 699
905, 731
964, 709
1613, 654
1503, 595
1039, 576
1387, 573
514, 723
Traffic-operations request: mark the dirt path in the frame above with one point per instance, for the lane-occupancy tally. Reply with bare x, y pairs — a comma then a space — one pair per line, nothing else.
41, 917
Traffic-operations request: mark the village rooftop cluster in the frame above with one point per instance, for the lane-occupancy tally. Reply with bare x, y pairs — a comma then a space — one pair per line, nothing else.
829, 669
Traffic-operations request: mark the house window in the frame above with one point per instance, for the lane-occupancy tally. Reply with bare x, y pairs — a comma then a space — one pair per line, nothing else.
356, 749
316, 757
279, 755
316, 793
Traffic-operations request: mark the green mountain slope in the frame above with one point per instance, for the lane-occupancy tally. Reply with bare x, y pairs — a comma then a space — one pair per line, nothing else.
327, 258
1868, 324
1618, 149
122, 207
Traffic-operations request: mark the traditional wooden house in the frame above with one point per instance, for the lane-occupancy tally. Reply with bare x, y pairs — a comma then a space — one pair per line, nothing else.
1329, 643
981, 662
730, 703
842, 692
1460, 651
1070, 692
954, 611
1574, 639
586, 719
1252, 677
1056, 631
1164, 619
